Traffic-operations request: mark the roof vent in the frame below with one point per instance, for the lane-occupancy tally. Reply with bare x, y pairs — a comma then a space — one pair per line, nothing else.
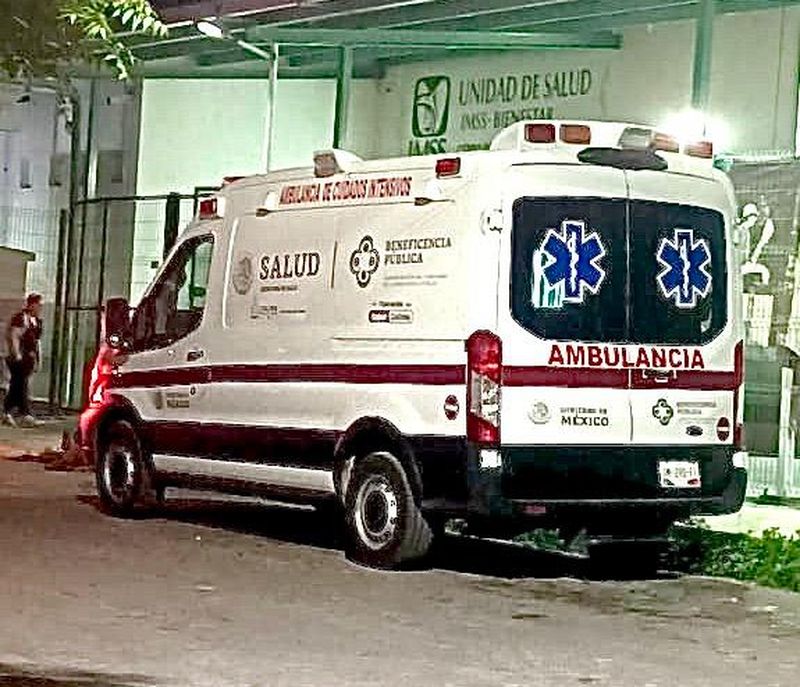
333, 161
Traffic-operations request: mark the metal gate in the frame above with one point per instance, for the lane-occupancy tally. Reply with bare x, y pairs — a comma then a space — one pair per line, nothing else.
111, 248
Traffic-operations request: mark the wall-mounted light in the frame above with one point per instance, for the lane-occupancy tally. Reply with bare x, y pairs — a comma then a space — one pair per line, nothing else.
210, 29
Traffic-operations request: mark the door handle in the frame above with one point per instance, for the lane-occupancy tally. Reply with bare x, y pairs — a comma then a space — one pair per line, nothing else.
658, 376
195, 354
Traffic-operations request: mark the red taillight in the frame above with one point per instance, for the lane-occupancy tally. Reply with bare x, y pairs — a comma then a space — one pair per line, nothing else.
485, 372
98, 382
576, 134
738, 366
448, 167
207, 209
540, 133
703, 149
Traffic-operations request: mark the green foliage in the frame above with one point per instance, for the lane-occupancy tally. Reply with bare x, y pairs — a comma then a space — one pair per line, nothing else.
771, 560
42, 38
547, 540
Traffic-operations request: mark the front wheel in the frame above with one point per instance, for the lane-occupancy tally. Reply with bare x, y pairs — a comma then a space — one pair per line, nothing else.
122, 472
385, 527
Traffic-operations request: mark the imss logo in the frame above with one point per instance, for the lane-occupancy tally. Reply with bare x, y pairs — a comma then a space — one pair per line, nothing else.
430, 115
431, 106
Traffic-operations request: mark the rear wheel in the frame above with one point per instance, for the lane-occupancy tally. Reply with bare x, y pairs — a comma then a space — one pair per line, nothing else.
122, 473
385, 527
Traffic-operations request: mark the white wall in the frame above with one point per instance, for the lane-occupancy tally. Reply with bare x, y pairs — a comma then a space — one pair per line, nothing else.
754, 82
34, 139
195, 132
753, 88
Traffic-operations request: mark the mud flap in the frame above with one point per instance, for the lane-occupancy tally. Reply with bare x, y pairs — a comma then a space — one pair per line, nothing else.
732, 498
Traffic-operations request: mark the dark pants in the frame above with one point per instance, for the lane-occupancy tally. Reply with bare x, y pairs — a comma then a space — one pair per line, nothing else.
18, 388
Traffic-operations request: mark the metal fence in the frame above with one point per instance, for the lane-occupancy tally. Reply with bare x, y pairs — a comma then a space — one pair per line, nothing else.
773, 476
112, 248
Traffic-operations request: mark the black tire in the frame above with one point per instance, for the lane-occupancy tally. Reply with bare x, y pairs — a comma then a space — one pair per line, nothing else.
385, 528
123, 474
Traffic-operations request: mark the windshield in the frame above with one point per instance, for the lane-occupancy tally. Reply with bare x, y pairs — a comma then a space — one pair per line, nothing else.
610, 270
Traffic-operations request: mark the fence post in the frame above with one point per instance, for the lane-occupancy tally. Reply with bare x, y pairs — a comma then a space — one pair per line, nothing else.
54, 388
172, 220
785, 433
101, 280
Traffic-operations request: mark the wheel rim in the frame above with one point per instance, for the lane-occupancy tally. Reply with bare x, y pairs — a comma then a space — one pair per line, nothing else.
119, 472
376, 512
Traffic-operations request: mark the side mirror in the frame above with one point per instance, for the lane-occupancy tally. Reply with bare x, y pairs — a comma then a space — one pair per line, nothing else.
117, 322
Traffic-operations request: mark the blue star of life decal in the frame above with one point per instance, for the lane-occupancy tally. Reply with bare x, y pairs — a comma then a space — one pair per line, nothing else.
685, 260
574, 260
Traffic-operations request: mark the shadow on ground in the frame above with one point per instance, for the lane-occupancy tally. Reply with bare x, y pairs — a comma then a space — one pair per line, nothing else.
16, 676
455, 553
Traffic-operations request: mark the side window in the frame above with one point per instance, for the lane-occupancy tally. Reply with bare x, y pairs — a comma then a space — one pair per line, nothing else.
175, 305
192, 295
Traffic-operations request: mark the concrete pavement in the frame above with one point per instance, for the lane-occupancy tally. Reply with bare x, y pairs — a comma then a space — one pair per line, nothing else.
230, 594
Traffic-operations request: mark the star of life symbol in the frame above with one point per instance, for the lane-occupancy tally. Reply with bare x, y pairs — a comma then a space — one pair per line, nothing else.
573, 260
685, 260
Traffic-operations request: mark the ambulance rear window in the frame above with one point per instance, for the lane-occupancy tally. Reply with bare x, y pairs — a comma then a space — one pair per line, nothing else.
678, 273
610, 270
569, 268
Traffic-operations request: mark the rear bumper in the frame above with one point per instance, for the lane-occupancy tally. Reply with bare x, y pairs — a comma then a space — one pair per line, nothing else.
600, 485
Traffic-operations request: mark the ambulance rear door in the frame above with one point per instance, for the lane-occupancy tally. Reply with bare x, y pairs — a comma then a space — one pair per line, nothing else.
566, 261
682, 311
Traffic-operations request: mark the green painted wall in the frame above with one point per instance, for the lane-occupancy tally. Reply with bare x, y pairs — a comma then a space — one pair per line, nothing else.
195, 132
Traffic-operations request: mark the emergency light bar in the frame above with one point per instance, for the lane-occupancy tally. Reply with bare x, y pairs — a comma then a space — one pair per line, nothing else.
531, 135
540, 133
573, 134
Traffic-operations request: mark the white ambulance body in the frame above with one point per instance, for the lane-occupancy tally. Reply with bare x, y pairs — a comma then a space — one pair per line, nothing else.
545, 334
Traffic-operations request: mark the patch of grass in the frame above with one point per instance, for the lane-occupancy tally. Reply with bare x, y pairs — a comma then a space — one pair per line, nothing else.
546, 540
771, 560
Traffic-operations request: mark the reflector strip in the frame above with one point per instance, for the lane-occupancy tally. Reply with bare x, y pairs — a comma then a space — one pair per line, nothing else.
515, 376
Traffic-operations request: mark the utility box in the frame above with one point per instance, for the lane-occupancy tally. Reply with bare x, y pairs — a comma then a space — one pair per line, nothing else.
13, 277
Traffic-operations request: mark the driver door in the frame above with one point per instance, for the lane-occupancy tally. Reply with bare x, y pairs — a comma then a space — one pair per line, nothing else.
168, 373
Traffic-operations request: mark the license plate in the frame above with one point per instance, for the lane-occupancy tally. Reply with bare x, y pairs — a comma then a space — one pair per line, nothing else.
679, 474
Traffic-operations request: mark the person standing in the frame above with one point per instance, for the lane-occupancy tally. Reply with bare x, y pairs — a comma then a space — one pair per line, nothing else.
23, 357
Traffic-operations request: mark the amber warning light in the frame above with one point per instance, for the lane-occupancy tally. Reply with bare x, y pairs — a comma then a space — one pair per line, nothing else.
576, 134
704, 149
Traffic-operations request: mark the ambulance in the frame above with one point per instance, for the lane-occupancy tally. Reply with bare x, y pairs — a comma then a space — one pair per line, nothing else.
545, 334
